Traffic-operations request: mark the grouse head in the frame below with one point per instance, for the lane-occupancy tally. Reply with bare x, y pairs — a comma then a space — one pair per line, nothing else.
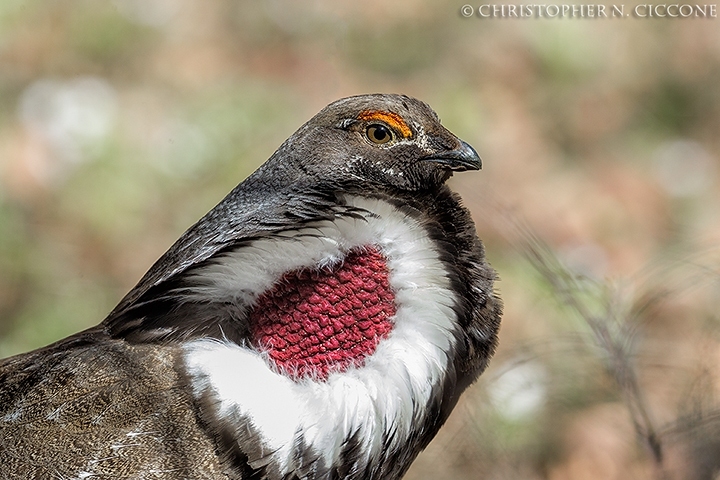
319, 323
385, 142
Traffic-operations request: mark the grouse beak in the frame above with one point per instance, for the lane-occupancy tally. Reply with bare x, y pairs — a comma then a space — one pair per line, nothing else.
460, 159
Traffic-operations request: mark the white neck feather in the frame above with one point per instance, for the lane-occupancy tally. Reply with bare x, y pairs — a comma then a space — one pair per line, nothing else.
388, 393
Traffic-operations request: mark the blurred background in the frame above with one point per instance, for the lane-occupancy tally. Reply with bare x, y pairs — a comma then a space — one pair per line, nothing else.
124, 121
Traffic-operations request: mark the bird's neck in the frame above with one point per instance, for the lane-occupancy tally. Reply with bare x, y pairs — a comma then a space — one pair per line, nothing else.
361, 411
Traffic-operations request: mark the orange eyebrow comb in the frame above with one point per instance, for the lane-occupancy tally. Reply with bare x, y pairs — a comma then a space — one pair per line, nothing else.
392, 119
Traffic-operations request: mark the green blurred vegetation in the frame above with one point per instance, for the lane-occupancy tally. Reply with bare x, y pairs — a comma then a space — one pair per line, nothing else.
122, 122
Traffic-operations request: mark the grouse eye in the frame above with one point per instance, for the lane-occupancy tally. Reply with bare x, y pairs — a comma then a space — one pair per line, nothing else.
378, 133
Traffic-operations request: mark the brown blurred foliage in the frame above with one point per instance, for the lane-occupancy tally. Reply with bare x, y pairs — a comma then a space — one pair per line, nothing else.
122, 122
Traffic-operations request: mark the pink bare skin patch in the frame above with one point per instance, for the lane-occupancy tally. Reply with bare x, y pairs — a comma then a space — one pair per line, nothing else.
314, 322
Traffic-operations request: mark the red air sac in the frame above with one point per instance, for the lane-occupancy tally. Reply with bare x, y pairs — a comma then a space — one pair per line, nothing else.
314, 322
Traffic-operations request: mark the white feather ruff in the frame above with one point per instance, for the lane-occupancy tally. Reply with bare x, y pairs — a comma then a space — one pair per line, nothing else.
388, 393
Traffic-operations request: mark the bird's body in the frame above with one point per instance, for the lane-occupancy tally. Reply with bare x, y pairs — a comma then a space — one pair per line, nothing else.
97, 407
320, 322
